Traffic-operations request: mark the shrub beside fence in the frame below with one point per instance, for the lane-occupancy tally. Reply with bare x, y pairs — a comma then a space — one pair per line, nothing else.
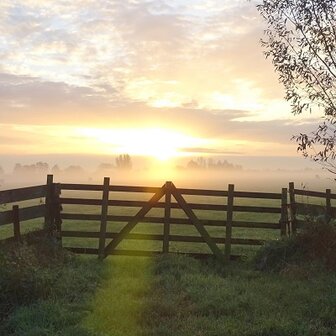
167, 198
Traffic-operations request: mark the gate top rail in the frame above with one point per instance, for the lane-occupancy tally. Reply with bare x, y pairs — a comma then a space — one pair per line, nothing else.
313, 193
22, 194
184, 191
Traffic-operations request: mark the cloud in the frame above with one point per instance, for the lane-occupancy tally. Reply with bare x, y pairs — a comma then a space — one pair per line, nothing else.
196, 66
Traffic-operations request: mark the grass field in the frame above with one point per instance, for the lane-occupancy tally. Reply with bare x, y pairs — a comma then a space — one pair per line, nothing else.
173, 295
176, 295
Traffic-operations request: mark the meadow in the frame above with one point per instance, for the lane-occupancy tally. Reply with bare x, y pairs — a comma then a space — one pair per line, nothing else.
169, 294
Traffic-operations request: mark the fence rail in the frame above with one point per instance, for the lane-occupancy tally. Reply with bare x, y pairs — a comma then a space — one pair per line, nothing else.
167, 198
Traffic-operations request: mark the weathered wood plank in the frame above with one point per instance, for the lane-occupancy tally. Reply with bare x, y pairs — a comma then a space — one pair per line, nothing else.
262, 195
81, 187
138, 204
292, 208
135, 189
313, 193
166, 227
175, 221
229, 218
80, 201
49, 213
6, 217
284, 214
160, 237
114, 188
202, 192
104, 211
328, 213
37, 211
193, 206
22, 194
82, 217
16, 223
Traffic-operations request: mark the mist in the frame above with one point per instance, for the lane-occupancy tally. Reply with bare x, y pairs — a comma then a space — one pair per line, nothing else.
246, 173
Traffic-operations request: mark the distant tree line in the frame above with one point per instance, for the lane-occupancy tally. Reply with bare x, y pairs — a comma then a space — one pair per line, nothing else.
202, 163
33, 169
122, 162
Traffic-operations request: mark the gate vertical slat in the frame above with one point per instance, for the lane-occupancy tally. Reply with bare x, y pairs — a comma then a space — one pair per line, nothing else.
104, 212
229, 219
284, 214
328, 213
57, 212
292, 209
48, 219
16, 223
166, 228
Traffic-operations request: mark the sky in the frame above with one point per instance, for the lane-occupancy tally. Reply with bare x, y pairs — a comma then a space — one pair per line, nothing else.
157, 78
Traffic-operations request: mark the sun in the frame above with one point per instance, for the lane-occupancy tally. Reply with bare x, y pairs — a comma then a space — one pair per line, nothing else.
159, 143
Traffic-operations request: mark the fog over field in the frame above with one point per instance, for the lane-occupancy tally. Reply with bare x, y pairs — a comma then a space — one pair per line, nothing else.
247, 173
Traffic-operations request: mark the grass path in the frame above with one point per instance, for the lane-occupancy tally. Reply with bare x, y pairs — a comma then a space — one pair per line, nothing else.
182, 296
121, 298
179, 296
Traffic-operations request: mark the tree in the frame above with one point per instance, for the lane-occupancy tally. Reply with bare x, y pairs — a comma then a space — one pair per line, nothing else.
123, 161
56, 170
301, 41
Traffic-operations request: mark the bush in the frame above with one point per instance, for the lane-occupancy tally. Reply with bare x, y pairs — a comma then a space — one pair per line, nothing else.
313, 246
318, 242
40, 280
25, 271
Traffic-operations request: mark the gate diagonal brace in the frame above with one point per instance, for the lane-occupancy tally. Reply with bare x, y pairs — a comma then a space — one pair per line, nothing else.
199, 226
137, 218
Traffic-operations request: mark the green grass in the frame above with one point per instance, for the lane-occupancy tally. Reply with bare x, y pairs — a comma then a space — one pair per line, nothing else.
177, 295
170, 295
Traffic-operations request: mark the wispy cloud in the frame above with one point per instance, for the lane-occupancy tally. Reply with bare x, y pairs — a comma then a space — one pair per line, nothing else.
196, 66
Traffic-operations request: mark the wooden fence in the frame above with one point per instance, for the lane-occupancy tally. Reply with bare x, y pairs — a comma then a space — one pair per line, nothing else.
167, 198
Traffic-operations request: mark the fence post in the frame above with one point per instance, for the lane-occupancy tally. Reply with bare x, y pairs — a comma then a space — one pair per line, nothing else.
292, 208
48, 219
57, 212
284, 214
229, 218
328, 213
16, 223
166, 228
103, 223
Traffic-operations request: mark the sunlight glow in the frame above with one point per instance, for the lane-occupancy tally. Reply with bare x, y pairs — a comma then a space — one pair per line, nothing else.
162, 144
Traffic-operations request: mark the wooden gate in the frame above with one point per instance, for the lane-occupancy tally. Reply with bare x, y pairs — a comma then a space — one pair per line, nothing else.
219, 216
168, 190
219, 219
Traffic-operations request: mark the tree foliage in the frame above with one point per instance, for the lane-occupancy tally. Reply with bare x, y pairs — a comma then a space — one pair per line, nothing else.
123, 161
301, 41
